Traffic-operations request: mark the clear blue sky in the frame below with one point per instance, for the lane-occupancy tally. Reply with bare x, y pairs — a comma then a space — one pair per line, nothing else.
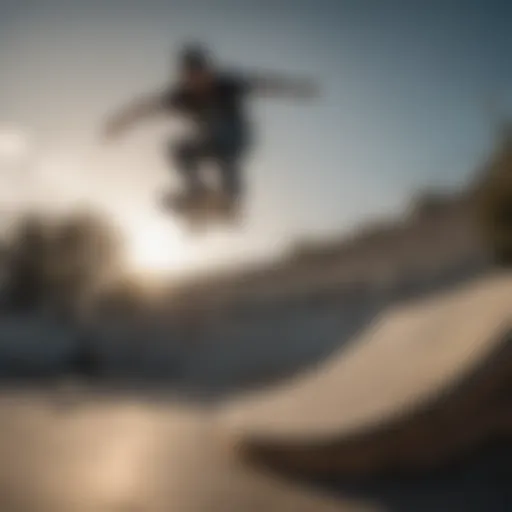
405, 86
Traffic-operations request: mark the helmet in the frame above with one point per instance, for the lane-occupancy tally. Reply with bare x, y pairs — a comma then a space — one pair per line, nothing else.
194, 56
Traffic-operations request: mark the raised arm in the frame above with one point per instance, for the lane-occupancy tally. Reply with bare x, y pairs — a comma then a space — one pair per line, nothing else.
273, 85
132, 114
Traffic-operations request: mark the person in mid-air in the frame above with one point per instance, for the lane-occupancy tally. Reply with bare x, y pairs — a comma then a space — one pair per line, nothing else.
213, 100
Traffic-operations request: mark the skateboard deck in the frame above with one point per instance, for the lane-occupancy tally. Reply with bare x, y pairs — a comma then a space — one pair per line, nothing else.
200, 213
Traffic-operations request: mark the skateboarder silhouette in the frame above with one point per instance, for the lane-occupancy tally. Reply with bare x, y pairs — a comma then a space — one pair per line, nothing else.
214, 100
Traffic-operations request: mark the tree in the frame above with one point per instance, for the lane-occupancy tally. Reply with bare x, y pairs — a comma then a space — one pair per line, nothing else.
61, 264
494, 199
26, 259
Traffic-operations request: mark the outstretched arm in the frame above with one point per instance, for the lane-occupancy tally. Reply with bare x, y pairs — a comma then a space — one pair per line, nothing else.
282, 86
133, 113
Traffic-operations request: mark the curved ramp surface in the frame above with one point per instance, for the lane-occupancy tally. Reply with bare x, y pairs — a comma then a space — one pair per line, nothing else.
422, 383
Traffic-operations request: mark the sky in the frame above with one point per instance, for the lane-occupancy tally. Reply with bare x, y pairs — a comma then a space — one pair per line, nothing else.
406, 88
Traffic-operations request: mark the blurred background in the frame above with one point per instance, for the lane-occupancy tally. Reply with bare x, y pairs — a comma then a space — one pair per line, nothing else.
395, 184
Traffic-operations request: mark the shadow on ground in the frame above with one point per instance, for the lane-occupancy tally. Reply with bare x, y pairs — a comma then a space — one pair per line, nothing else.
478, 482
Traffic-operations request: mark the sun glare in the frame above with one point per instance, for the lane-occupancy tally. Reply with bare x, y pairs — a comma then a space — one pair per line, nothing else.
156, 247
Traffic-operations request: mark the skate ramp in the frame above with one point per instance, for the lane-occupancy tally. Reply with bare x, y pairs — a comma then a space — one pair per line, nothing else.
423, 383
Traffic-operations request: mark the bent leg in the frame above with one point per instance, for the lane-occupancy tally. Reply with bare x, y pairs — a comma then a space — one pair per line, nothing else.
231, 177
186, 155
230, 147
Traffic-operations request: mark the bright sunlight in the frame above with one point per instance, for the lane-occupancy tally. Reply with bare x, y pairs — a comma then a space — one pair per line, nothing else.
156, 246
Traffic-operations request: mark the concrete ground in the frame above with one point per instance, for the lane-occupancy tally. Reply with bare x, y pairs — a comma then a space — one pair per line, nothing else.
65, 449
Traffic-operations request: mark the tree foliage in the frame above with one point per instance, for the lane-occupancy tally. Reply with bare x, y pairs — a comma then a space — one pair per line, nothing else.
494, 193
60, 263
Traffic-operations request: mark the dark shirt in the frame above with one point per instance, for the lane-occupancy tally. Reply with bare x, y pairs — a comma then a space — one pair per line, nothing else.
224, 105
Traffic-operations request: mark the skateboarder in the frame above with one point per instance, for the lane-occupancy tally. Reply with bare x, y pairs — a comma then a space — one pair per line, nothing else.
214, 101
